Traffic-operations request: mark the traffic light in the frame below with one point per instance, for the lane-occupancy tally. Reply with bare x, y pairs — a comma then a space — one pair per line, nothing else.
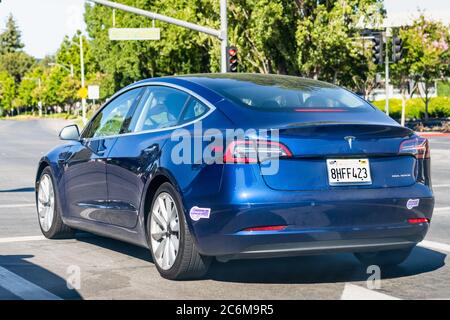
397, 49
232, 59
377, 49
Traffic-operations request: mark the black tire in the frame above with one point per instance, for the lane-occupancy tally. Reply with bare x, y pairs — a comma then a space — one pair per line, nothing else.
189, 263
384, 258
58, 229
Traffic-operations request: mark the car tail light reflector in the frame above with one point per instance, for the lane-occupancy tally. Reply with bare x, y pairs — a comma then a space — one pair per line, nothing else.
251, 151
419, 147
266, 228
418, 220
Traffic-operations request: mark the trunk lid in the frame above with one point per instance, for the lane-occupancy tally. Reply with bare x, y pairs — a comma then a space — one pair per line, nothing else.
313, 143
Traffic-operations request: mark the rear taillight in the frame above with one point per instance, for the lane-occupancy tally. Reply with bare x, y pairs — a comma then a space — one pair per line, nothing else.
418, 220
419, 147
251, 151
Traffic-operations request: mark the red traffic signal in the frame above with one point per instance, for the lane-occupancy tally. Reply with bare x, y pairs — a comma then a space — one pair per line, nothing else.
232, 59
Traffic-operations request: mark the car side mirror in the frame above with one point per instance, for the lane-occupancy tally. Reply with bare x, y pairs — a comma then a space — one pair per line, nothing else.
70, 133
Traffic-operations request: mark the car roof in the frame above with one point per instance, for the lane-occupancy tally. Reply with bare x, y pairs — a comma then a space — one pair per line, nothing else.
207, 79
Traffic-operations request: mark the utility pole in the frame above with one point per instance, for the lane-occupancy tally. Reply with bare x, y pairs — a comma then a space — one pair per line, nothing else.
221, 34
40, 97
224, 36
83, 99
387, 35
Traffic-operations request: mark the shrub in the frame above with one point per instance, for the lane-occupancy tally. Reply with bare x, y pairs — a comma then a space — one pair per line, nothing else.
439, 107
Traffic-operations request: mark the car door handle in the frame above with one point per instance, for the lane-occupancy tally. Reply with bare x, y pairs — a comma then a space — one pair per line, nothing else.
151, 149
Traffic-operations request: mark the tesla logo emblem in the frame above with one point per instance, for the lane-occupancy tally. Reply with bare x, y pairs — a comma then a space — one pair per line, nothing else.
350, 140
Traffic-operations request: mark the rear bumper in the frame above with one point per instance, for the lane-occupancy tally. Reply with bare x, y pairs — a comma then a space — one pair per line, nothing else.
308, 241
347, 220
319, 247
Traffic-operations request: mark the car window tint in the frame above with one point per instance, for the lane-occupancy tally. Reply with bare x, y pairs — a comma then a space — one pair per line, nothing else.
109, 121
195, 109
282, 93
161, 108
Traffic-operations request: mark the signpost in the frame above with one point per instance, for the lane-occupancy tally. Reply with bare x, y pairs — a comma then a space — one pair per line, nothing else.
93, 92
83, 93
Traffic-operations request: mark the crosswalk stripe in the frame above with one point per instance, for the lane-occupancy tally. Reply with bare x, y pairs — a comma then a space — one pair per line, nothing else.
435, 245
11, 206
22, 239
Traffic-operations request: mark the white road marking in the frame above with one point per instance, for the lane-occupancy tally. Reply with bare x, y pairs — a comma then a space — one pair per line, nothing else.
441, 209
441, 185
352, 292
24, 205
435, 245
23, 288
22, 239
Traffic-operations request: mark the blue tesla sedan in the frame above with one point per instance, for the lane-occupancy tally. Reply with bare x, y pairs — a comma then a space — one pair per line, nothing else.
237, 166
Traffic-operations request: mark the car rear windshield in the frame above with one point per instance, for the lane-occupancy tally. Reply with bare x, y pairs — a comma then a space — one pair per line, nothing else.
284, 93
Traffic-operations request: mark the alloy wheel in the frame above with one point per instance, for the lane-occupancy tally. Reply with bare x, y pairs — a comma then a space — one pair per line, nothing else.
46, 202
165, 231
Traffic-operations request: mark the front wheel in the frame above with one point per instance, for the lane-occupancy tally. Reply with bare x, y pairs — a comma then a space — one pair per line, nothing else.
49, 211
172, 247
384, 258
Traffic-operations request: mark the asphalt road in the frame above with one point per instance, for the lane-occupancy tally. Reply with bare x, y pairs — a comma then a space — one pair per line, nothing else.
34, 268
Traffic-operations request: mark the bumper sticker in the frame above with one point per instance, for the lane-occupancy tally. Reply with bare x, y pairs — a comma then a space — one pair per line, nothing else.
197, 213
412, 203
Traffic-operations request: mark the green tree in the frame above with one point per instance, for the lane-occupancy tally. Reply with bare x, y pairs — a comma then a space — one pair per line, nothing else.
179, 51
16, 63
68, 55
10, 39
58, 87
7, 91
327, 39
264, 32
426, 56
314, 38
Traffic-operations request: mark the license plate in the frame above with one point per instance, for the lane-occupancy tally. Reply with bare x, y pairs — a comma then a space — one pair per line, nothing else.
348, 171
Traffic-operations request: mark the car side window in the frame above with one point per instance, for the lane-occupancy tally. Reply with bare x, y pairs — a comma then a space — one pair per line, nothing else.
161, 107
110, 119
194, 109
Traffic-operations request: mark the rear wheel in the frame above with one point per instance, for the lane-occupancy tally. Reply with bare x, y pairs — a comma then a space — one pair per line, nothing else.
49, 211
384, 258
172, 247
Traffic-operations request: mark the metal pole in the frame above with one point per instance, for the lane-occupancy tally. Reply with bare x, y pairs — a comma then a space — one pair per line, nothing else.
40, 97
156, 16
83, 100
388, 34
223, 36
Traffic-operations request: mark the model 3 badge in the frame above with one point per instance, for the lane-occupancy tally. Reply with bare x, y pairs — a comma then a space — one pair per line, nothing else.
350, 140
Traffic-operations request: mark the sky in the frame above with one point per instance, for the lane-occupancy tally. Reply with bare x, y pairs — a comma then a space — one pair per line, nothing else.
44, 23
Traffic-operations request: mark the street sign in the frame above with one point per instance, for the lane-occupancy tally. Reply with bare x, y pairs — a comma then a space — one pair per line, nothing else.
83, 93
124, 34
93, 92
